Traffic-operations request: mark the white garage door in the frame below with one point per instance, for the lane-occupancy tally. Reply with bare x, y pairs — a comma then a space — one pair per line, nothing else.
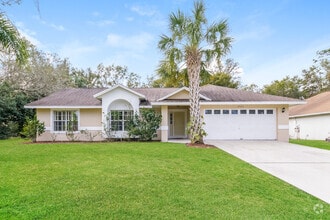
240, 124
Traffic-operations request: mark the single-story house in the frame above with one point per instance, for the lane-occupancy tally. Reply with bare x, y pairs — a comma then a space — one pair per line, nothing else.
311, 121
229, 114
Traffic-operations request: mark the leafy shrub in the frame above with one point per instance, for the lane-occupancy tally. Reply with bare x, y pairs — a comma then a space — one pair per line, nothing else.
33, 128
145, 124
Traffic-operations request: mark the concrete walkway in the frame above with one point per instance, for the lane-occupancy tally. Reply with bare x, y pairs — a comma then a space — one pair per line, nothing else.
306, 168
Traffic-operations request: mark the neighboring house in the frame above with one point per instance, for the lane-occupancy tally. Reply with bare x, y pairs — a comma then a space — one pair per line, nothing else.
229, 114
311, 121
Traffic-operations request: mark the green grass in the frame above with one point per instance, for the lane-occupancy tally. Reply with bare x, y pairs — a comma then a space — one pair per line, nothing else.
312, 143
141, 181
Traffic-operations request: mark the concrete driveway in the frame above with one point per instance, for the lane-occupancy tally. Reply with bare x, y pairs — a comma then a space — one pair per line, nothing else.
306, 168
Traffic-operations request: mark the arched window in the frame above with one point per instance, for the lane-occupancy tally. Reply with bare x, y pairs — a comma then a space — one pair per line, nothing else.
119, 112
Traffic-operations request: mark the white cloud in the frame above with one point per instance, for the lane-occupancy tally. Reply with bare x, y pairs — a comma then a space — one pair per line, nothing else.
28, 34
129, 19
156, 18
78, 53
135, 42
144, 10
279, 67
57, 27
96, 14
101, 23
254, 33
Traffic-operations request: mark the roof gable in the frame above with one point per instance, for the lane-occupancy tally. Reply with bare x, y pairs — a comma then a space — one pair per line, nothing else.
181, 93
100, 94
319, 104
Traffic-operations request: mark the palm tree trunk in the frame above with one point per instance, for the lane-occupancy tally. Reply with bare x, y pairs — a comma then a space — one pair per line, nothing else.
193, 60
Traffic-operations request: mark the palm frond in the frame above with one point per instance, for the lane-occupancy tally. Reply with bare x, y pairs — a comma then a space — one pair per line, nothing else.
10, 40
177, 25
165, 43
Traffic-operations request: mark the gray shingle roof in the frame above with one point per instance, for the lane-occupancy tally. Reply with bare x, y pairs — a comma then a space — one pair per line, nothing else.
70, 97
224, 94
85, 97
315, 105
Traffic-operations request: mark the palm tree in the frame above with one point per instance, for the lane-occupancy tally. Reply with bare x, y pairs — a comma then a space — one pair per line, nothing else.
195, 43
11, 41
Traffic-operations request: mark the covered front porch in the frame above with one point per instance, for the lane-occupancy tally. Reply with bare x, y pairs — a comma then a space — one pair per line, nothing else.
174, 123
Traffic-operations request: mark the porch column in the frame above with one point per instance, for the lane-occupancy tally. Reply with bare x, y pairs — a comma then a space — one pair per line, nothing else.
164, 124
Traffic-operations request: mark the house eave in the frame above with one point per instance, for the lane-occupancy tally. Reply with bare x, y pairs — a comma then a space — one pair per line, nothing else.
169, 103
64, 107
253, 103
203, 103
309, 115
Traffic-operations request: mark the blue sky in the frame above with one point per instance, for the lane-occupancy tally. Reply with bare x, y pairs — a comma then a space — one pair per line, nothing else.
272, 38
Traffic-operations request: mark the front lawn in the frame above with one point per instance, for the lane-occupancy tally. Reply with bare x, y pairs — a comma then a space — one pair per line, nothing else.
141, 181
312, 143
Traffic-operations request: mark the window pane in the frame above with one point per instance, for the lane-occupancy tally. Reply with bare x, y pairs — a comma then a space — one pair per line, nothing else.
243, 111
252, 111
261, 111
65, 120
225, 112
234, 112
208, 112
270, 111
217, 112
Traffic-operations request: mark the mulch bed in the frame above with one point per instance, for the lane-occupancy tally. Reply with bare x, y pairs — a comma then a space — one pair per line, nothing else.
200, 145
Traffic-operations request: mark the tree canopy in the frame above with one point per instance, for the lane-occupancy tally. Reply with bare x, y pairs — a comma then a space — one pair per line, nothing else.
314, 80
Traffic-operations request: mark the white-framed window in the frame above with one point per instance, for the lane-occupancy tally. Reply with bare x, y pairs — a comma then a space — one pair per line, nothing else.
234, 111
65, 120
225, 111
261, 111
208, 112
217, 111
252, 111
270, 111
119, 119
243, 111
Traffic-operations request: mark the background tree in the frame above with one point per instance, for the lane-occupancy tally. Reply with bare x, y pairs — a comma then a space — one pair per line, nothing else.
314, 80
104, 76
288, 87
191, 42
170, 75
226, 74
43, 74
12, 111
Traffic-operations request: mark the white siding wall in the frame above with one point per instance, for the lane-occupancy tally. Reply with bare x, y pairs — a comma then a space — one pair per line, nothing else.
311, 128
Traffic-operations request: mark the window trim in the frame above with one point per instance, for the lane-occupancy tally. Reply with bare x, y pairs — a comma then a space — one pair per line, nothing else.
122, 121
52, 119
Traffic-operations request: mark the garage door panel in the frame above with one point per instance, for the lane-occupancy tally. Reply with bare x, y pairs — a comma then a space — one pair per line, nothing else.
241, 126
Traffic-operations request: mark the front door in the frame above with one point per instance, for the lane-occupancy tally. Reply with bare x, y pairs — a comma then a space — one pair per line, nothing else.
177, 122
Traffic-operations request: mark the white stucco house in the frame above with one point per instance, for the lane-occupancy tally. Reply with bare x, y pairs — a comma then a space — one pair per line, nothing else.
229, 114
312, 120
